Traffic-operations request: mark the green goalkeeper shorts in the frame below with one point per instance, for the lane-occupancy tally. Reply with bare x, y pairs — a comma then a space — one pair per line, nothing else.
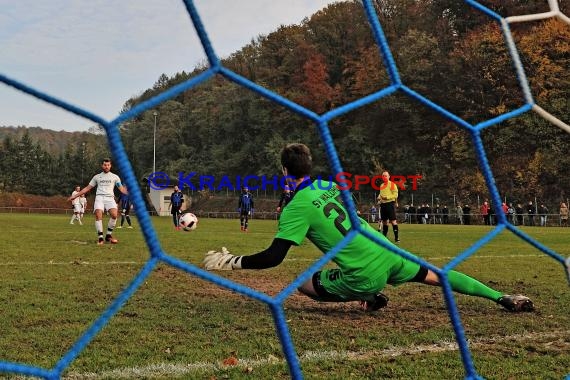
364, 284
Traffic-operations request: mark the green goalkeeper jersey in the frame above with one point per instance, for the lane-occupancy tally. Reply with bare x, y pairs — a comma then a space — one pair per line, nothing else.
317, 212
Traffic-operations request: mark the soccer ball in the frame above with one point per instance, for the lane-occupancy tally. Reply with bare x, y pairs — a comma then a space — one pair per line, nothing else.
189, 222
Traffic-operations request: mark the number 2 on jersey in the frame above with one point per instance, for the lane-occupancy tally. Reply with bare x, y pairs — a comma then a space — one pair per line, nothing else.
341, 215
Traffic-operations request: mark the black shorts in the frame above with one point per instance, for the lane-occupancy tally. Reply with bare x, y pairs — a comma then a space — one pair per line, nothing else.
175, 210
388, 211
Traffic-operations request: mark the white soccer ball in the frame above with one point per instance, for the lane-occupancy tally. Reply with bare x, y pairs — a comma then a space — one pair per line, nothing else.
189, 222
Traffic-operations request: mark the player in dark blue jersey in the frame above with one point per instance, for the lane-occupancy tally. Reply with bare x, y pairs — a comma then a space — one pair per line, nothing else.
245, 208
125, 206
176, 200
286, 197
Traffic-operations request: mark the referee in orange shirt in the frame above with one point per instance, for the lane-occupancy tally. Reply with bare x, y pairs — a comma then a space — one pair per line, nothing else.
388, 201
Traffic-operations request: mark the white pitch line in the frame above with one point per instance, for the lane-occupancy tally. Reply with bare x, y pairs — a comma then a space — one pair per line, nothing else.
475, 256
40, 263
166, 370
78, 262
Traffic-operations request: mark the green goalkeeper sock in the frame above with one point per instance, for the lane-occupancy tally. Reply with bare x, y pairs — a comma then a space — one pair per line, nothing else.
464, 284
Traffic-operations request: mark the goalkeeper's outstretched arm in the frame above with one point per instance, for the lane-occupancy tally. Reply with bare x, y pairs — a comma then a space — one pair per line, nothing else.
268, 258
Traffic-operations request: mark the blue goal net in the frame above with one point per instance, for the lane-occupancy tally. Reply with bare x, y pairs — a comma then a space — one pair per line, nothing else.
321, 122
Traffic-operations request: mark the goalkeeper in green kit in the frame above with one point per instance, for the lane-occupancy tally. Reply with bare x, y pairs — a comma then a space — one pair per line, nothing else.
364, 268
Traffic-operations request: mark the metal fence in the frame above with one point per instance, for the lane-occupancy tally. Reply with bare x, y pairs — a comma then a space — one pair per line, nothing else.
36, 210
551, 220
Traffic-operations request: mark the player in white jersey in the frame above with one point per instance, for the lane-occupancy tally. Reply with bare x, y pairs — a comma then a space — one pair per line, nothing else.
104, 200
76, 207
83, 202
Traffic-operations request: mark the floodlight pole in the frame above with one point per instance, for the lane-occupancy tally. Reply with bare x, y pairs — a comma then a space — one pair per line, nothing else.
154, 144
82, 159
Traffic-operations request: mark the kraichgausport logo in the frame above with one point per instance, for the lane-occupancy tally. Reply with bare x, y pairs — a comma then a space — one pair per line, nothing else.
343, 180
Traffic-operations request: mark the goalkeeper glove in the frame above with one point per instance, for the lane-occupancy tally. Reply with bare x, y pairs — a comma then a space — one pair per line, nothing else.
224, 260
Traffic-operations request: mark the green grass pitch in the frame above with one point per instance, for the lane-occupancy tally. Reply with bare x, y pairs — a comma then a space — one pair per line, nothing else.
55, 281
